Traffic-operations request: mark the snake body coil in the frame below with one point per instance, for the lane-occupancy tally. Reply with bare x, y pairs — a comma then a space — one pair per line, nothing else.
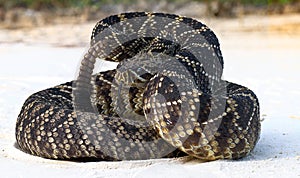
166, 98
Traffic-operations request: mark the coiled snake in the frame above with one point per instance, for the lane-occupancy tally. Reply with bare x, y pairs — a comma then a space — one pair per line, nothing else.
165, 98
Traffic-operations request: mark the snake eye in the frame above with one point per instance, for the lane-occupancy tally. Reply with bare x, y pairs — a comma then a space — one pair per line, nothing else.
139, 69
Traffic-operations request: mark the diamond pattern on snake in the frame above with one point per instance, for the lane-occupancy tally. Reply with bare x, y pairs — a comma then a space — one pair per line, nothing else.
166, 98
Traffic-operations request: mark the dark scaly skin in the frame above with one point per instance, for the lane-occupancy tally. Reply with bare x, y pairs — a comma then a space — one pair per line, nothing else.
53, 129
48, 126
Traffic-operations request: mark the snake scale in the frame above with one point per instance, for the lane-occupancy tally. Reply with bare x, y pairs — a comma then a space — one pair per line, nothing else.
166, 98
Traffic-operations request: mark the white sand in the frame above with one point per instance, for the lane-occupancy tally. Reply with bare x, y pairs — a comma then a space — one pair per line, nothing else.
265, 60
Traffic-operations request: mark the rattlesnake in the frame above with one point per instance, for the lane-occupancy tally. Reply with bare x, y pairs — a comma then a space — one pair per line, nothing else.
165, 98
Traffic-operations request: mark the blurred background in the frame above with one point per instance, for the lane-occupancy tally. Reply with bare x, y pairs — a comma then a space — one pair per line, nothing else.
28, 13
24, 20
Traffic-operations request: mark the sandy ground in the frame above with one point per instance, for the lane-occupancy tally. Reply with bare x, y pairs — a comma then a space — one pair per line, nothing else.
260, 52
